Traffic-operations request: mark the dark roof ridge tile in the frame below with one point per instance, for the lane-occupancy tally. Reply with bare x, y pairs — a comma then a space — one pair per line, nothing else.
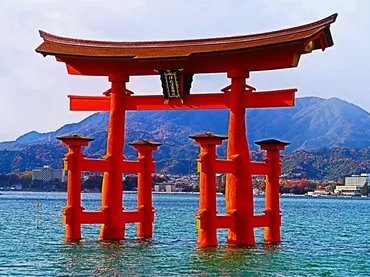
320, 24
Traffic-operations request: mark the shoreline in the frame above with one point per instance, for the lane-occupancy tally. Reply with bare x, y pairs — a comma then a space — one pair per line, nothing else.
125, 192
189, 193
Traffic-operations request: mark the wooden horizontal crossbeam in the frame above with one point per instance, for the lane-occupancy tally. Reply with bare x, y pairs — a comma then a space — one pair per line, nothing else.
225, 221
132, 216
262, 220
92, 217
270, 99
104, 165
229, 221
95, 165
99, 217
132, 166
258, 168
264, 99
230, 166
225, 166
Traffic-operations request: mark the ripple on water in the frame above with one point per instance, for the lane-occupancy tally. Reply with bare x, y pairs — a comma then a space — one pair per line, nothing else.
321, 237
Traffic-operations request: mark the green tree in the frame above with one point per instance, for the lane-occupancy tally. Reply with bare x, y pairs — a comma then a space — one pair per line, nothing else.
26, 179
93, 182
130, 183
365, 189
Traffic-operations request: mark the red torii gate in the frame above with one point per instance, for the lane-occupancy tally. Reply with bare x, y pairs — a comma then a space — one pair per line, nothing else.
237, 56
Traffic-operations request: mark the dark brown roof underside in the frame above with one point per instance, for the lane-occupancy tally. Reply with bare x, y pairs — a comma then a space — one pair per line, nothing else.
208, 135
272, 142
144, 142
60, 46
75, 137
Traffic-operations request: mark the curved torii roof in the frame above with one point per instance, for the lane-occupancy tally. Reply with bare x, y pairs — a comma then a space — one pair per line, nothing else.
229, 52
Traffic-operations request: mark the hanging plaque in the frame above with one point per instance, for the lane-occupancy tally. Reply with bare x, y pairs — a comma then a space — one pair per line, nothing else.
170, 84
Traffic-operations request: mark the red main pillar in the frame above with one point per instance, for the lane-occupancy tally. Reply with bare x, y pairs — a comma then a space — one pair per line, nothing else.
112, 188
272, 206
144, 186
239, 188
206, 215
72, 212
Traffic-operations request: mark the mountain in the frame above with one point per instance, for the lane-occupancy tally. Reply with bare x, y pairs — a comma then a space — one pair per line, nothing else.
313, 123
28, 137
327, 163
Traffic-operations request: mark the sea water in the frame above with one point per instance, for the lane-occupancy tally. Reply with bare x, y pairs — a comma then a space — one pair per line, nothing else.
320, 237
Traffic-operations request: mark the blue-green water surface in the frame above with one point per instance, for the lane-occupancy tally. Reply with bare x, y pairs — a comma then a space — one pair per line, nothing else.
321, 237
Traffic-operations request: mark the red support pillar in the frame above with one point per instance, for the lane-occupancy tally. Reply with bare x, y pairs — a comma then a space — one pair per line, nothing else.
272, 208
206, 215
73, 160
239, 188
144, 187
112, 189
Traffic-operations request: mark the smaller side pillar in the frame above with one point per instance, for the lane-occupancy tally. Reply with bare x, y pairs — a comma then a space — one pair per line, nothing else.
206, 215
144, 187
73, 160
272, 205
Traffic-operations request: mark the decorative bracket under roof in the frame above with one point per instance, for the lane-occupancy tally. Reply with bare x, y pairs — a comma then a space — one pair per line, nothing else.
246, 86
125, 91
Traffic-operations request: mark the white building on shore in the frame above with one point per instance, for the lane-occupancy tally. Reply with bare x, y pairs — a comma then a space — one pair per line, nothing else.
165, 188
47, 173
353, 185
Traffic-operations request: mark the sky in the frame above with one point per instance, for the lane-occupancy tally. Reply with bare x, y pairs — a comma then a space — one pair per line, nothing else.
34, 89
